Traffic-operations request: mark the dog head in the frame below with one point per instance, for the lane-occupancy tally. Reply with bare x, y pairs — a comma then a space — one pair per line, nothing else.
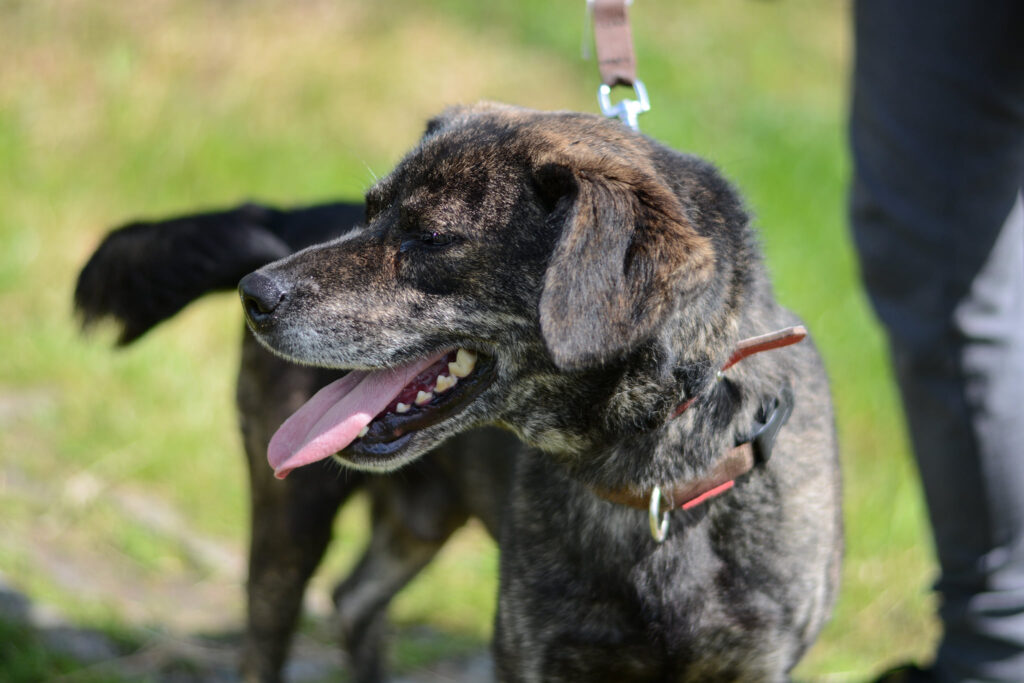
518, 267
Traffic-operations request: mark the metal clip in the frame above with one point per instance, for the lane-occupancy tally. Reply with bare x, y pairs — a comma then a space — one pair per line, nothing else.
658, 517
626, 110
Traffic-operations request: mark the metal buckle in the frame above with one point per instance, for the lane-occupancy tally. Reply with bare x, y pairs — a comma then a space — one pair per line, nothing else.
658, 517
626, 110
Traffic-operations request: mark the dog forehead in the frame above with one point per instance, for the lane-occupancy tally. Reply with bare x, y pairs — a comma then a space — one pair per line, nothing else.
517, 139
461, 174
434, 182
482, 157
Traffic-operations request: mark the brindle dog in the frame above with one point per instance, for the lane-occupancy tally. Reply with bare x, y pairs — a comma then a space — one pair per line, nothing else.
577, 284
601, 280
144, 273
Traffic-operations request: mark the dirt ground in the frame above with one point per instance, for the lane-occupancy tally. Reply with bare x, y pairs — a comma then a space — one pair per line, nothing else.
180, 626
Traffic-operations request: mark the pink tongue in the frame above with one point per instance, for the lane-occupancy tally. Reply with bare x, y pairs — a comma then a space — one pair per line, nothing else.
333, 418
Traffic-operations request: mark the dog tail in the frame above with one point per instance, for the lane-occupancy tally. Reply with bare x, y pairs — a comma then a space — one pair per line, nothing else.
145, 272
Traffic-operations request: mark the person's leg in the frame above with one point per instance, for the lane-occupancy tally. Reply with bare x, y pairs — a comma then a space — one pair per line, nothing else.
937, 131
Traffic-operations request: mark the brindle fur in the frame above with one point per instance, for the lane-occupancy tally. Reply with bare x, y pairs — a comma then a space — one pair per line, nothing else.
608, 277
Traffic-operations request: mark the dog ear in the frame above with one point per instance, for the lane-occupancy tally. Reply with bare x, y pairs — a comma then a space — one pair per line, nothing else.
626, 254
436, 123
459, 114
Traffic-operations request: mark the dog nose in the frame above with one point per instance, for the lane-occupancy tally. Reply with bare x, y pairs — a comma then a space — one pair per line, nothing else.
261, 296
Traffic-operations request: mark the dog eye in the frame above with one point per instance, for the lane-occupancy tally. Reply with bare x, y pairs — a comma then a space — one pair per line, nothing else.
427, 239
435, 239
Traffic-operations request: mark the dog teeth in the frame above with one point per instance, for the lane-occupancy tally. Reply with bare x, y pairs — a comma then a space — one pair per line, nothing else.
464, 363
424, 397
445, 382
402, 407
364, 431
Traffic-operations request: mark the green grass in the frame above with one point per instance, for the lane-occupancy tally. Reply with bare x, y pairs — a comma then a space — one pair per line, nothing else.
115, 110
26, 658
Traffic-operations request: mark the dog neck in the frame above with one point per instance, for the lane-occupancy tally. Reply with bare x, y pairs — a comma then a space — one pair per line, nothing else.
734, 462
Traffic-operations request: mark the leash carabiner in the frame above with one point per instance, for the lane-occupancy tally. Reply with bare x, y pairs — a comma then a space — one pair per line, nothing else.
616, 60
626, 110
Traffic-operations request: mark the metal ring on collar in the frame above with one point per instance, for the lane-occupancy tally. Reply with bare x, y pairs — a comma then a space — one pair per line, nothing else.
659, 517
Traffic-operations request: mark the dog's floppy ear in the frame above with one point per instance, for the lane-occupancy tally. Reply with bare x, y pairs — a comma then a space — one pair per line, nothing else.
627, 251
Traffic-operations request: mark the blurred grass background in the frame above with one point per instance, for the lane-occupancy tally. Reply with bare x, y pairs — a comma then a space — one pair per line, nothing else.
122, 489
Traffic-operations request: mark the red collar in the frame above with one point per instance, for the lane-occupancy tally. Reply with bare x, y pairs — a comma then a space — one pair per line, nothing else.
735, 462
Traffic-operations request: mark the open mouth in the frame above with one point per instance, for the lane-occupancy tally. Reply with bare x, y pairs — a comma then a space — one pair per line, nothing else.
372, 414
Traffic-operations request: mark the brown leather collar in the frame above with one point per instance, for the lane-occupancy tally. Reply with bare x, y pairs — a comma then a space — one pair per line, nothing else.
748, 347
736, 461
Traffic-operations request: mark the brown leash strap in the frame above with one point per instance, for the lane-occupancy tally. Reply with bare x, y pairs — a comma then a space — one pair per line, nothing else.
614, 42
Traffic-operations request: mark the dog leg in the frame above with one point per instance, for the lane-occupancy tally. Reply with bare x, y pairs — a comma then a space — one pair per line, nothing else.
290, 533
412, 517
291, 520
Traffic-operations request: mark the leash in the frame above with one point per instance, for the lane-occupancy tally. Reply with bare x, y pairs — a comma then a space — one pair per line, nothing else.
616, 60
736, 462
